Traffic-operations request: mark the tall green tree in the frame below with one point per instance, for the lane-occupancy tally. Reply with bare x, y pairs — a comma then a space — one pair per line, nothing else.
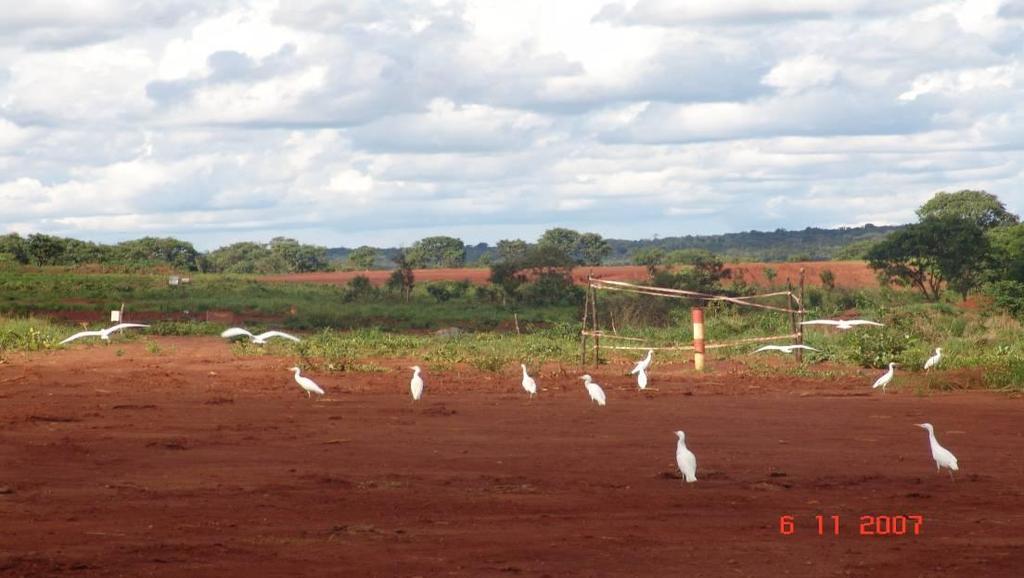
439, 251
362, 258
512, 249
1007, 253
936, 252
591, 249
583, 248
299, 258
983, 209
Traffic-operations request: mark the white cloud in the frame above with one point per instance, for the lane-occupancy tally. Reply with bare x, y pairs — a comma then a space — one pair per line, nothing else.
364, 121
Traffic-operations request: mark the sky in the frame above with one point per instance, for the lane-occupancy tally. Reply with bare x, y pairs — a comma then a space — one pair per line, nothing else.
381, 122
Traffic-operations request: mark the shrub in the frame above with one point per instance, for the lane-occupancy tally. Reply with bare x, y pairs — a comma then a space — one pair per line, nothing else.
1007, 296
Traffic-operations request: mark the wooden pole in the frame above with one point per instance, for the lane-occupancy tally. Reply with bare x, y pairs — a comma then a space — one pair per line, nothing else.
583, 327
597, 339
792, 312
800, 315
698, 338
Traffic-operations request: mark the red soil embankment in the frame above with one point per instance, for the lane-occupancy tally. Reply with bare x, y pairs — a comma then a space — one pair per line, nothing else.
850, 274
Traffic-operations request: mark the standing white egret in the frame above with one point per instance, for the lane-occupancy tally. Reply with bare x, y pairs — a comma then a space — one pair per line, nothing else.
306, 383
943, 457
595, 391
644, 363
260, 339
933, 360
641, 379
685, 459
528, 383
103, 334
416, 384
886, 378
843, 324
784, 348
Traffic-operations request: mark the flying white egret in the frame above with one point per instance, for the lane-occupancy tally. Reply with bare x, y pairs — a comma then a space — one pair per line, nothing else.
783, 348
306, 383
886, 378
528, 383
933, 360
103, 334
943, 457
685, 459
260, 339
644, 363
416, 384
595, 391
641, 379
842, 323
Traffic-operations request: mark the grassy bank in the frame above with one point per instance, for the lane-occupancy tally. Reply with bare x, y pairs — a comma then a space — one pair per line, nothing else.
347, 331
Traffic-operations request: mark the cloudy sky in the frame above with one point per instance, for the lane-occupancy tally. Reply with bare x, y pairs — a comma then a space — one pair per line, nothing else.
380, 122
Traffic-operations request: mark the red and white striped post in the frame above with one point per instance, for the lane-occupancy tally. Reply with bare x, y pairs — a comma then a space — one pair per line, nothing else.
698, 338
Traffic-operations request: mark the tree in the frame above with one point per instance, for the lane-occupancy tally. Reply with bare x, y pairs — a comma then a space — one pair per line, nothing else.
1007, 252
591, 249
584, 249
14, 246
560, 238
240, 258
299, 258
983, 209
511, 250
402, 279
362, 258
650, 257
547, 266
440, 251
150, 250
937, 251
45, 249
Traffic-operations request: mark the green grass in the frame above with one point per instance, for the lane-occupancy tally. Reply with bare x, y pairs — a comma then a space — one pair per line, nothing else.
347, 334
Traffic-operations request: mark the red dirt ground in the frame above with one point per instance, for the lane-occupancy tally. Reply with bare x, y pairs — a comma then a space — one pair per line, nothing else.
193, 462
847, 273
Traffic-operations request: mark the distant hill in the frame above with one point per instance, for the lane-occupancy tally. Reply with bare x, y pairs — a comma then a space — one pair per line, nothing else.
810, 244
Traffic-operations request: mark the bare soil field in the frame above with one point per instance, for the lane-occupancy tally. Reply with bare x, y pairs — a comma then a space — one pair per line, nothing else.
118, 461
851, 274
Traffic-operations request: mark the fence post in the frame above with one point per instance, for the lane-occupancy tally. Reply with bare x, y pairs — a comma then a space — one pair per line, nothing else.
698, 338
583, 328
800, 319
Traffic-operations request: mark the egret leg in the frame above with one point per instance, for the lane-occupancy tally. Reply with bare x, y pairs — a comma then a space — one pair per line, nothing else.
308, 395
951, 476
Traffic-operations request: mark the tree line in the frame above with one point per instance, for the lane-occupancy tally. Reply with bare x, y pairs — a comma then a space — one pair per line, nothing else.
963, 241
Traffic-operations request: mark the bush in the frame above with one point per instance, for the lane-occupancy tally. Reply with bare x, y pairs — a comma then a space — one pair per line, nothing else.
359, 289
880, 347
446, 290
551, 289
1007, 296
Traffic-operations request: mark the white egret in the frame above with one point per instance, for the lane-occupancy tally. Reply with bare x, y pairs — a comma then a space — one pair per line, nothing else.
644, 363
595, 391
784, 348
641, 379
260, 339
685, 459
933, 360
886, 378
943, 457
416, 384
843, 324
103, 334
306, 383
528, 383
